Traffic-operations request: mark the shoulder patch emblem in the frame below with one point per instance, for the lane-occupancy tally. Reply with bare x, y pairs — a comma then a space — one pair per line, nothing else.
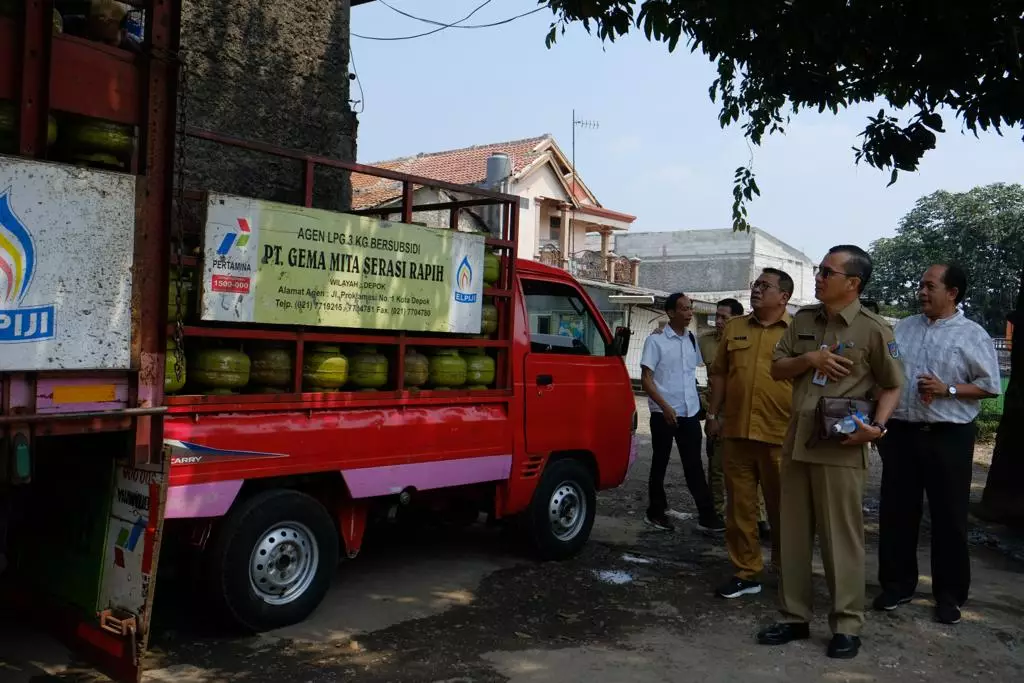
894, 349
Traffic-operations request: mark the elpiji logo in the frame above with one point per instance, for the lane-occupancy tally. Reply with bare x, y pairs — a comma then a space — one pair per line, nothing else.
464, 282
18, 262
235, 238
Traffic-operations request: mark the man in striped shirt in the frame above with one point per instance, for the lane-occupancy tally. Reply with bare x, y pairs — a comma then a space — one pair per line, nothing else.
950, 364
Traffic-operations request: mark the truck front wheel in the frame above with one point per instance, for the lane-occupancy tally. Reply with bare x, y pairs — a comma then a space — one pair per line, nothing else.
272, 560
562, 511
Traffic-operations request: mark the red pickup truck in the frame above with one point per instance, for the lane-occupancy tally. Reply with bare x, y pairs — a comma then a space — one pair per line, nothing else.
125, 400
281, 490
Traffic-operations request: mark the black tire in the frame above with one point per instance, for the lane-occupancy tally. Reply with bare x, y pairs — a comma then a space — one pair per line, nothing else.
236, 546
569, 479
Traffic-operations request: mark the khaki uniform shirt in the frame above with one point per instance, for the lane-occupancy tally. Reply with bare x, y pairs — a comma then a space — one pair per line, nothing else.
708, 343
868, 341
756, 406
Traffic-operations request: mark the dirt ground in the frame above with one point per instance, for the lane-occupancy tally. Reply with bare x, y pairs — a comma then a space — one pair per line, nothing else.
466, 607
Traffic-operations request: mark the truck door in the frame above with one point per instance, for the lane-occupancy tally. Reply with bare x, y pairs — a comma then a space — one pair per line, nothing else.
577, 397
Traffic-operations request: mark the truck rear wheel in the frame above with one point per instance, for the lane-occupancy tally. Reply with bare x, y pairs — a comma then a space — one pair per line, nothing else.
562, 511
272, 560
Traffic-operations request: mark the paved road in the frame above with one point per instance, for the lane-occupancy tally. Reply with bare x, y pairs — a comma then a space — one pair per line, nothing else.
467, 607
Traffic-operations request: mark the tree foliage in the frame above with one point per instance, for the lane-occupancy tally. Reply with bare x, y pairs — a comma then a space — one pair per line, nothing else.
982, 230
920, 59
778, 57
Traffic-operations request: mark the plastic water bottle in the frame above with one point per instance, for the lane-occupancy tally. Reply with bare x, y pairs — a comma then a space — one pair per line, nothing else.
847, 425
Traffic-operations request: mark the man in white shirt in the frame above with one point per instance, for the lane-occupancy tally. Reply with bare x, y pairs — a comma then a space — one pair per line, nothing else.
950, 364
668, 377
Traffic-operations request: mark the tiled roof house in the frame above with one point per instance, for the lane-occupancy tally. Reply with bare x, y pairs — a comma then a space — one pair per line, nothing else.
556, 210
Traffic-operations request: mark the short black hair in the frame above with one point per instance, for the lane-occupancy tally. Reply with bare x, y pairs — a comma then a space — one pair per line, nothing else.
734, 306
785, 281
859, 264
672, 300
871, 305
955, 278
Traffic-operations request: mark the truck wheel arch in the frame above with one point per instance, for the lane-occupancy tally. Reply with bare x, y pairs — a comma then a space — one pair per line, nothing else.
585, 457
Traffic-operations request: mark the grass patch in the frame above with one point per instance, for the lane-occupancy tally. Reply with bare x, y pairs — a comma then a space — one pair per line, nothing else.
990, 414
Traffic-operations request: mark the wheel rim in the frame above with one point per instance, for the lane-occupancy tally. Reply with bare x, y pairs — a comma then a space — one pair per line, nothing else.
567, 511
283, 563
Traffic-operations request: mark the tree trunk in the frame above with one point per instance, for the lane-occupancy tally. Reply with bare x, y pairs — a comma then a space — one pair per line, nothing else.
1003, 499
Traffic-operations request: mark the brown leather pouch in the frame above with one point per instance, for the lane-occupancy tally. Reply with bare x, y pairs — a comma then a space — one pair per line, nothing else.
830, 411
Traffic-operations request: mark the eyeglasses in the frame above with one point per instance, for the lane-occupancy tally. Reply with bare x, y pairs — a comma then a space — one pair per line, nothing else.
761, 286
825, 272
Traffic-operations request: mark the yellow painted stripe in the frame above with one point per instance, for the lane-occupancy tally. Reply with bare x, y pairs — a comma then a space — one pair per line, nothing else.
6, 245
90, 393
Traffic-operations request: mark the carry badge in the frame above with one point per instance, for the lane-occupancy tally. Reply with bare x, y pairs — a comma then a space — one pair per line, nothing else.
820, 378
894, 349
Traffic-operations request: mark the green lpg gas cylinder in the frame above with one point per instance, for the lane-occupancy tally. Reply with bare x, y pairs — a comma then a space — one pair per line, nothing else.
417, 368
324, 367
447, 369
220, 371
369, 368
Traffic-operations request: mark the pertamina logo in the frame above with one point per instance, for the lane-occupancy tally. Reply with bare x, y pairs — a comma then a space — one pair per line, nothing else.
232, 284
233, 238
19, 323
464, 283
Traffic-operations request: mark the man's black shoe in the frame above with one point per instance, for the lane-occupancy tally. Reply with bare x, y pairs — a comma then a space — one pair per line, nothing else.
780, 634
947, 613
711, 523
659, 521
844, 646
887, 601
735, 587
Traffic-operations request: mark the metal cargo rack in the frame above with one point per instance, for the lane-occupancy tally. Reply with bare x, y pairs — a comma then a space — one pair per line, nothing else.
503, 245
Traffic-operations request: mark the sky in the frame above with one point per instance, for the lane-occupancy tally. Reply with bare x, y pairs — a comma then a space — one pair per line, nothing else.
658, 153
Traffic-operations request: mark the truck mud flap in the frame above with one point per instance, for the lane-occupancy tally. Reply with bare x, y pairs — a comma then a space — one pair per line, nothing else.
113, 638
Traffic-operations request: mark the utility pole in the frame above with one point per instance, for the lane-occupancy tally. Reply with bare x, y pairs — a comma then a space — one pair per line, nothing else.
576, 123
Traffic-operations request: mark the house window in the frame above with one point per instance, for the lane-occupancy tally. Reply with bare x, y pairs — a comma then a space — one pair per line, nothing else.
555, 229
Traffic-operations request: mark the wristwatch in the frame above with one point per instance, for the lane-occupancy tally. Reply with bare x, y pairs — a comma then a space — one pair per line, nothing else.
880, 426
951, 390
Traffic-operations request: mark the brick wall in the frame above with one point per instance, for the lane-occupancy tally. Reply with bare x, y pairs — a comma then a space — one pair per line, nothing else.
274, 72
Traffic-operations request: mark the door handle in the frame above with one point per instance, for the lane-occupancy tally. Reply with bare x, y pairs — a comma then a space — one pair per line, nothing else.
545, 380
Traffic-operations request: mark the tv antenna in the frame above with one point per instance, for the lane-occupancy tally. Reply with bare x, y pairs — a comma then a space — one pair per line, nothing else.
579, 123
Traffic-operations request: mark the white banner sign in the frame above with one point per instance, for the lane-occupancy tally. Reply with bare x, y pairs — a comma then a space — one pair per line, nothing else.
279, 264
66, 243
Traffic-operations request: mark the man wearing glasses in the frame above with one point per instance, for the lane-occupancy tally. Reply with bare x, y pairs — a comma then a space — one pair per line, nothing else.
838, 349
950, 365
755, 408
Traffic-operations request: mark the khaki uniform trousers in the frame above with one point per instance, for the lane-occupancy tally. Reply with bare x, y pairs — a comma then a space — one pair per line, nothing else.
750, 467
716, 478
827, 498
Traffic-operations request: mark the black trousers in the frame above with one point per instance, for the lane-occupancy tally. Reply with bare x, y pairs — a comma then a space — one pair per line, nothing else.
687, 437
935, 460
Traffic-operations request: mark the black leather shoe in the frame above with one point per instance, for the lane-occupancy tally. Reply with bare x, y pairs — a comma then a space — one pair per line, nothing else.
844, 646
780, 634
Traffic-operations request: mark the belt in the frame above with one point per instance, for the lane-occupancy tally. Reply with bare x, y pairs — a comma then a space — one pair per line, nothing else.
928, 426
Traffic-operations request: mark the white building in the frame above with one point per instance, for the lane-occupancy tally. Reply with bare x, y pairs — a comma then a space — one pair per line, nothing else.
715, 264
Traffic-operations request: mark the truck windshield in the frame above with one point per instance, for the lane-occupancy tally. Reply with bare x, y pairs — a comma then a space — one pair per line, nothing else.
560, 321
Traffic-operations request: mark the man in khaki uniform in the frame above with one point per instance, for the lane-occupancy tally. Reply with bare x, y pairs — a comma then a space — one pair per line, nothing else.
725, 310
755, 411
823, 486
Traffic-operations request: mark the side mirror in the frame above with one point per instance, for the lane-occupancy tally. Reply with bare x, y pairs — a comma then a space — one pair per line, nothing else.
620, 342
